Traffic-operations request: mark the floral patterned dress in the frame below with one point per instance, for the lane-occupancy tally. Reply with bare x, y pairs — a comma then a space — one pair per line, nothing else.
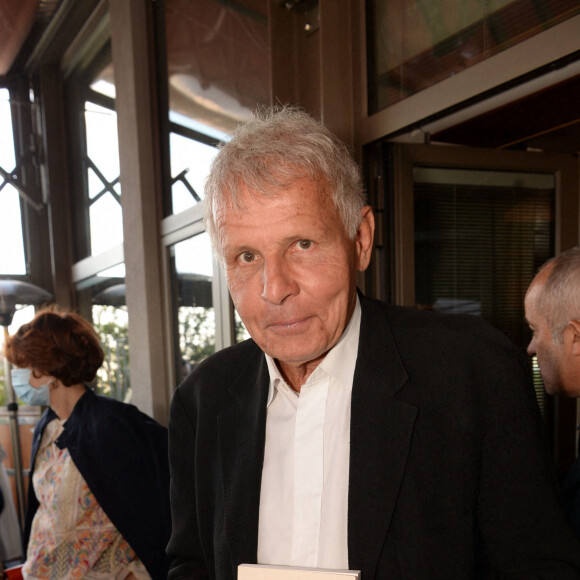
71, 536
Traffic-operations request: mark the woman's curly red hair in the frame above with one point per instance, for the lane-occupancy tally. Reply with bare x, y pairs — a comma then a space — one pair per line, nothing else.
59, 344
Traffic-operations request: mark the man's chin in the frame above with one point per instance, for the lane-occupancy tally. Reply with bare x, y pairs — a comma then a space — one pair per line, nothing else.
293, 357
553, 390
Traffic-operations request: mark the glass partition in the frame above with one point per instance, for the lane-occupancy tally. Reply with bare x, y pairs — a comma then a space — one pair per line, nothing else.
218, 72
193, 308
103, 174
11, 262
414, 44
480, 237
102, 301
190, 163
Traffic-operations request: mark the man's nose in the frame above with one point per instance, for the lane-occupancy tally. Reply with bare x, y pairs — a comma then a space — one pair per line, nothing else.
278, 281
531, 350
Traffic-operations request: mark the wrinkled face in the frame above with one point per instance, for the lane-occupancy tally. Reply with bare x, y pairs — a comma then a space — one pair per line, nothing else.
291, 270
550, 354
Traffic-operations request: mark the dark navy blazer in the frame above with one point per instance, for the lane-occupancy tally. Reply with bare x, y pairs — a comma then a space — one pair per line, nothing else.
450, 474
571, 492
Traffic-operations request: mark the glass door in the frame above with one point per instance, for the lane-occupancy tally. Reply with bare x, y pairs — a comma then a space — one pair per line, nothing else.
465, 230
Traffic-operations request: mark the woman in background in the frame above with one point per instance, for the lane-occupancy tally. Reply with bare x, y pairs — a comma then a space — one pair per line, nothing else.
98, 506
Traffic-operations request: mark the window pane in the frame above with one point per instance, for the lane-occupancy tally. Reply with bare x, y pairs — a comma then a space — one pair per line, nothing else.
190, 163
112, 323
22, 315
7, 158
95, 180
192, 276
218, 59
480, 237
240, 331
104, 84
415, 44
106, 218
104, 190
102, 144
102, 300
12, 260
218, 73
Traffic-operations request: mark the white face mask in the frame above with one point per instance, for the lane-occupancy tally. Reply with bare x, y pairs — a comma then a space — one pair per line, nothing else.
26, 392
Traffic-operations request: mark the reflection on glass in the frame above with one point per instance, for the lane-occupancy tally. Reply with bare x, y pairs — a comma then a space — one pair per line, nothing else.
217, 59
11, 262
102, 300
218, 73
480, 237
417, 43
194, 316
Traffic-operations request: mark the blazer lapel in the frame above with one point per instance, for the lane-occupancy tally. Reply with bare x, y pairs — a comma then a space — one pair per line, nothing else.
381, 430
242, 429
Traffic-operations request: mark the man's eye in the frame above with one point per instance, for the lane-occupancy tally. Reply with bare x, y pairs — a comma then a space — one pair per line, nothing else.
247, 257
305, 244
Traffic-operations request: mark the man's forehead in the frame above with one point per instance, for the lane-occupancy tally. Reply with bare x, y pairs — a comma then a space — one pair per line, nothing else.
246, 199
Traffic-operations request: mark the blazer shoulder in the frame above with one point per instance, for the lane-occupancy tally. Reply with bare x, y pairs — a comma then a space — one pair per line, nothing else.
415, 329
223, 368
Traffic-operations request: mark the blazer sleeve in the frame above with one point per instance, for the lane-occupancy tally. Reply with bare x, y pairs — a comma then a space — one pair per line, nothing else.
523, 527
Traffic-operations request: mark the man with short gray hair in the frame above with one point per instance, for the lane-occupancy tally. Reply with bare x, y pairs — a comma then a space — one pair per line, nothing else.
348, 433
552, 306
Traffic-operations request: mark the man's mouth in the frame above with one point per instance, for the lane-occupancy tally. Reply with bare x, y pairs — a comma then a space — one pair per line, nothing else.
283, 325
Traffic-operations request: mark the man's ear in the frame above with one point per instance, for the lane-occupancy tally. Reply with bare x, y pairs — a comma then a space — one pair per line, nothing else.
364, 238
574, 327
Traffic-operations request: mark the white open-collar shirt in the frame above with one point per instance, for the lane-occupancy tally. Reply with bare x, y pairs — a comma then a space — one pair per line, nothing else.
304, 493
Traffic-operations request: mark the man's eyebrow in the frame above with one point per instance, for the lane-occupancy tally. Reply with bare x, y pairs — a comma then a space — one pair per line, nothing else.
239, 248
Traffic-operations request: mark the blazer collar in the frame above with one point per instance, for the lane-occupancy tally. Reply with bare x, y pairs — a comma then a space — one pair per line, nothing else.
380, 438
381, 430
242, 435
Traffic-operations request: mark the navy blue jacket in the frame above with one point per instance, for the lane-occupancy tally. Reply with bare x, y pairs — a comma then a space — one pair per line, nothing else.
122, 455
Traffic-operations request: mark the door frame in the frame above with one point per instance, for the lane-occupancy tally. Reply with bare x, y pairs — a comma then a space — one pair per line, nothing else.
405, 157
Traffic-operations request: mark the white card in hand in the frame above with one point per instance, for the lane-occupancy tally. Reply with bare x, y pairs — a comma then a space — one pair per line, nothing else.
266, 572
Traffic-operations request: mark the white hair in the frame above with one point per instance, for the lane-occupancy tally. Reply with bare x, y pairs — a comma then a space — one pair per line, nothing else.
273, 150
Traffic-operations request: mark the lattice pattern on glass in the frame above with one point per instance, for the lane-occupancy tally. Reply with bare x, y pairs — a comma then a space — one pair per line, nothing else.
103, 178
12, 262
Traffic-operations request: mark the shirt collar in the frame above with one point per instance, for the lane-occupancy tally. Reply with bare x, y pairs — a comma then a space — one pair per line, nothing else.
339, 363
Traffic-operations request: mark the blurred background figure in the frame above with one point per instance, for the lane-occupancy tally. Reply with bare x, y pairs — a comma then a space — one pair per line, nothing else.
98, 498
552, 307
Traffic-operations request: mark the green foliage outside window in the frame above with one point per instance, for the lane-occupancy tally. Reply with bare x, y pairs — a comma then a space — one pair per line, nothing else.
111, 323
196, 334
